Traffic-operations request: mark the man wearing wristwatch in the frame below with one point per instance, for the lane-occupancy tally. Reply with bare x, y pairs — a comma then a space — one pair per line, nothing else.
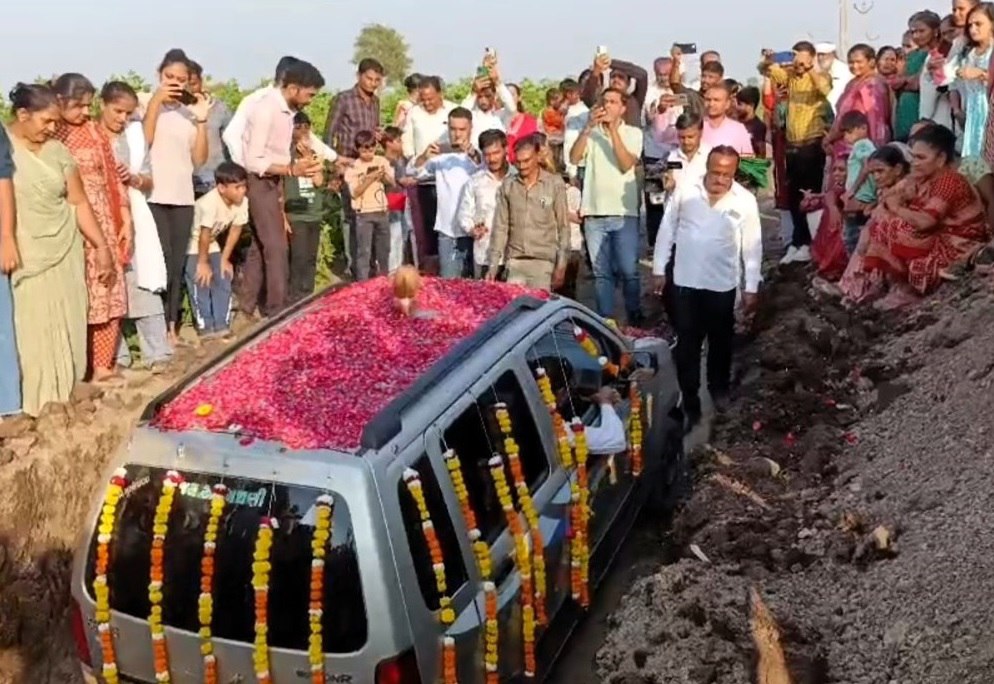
266, 145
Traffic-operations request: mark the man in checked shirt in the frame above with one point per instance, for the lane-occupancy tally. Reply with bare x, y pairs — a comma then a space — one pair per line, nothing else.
353, 110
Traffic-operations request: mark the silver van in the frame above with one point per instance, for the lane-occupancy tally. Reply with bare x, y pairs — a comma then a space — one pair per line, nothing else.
380, 600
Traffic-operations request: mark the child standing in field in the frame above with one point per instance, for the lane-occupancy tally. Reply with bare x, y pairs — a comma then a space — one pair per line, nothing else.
573, 203
368, 179
208, 268
304, 204
861, 191
397, 205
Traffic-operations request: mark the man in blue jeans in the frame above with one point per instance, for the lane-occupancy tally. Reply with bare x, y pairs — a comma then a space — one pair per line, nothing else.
451, 163
609, 149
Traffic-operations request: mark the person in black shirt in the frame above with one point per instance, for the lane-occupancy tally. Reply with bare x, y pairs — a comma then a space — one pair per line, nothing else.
747, 101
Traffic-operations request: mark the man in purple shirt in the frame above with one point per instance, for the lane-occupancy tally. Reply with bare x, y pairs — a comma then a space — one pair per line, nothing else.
266, 150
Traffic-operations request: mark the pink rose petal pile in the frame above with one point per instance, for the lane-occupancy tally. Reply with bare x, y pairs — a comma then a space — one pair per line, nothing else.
318, 380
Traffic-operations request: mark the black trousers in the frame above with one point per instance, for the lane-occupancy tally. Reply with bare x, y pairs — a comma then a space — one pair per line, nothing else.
428, 204
806, 171
703, 315
653, 212
174, 223
304, 241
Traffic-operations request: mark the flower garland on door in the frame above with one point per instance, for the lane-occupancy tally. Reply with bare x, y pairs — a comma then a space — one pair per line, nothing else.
481, 551
101, 589
635, 428
513, 452
558, 424
446, 613
523, 562
580, 548
315, 611
260, 585
160, 525
205, 603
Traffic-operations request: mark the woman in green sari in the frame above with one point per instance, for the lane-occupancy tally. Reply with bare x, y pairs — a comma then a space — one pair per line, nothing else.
924, 30
49, 285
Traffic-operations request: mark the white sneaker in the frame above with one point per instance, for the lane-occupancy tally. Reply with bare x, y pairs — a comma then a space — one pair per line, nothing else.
790, 256
803, 255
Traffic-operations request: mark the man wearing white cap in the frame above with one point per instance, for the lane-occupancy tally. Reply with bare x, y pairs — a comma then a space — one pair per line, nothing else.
830, 63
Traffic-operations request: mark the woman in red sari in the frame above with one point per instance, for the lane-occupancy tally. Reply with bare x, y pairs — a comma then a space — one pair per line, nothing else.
925, 225
889, 166
520, 124
868, 93
105, 191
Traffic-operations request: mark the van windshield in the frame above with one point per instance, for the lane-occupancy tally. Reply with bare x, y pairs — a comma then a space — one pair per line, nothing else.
345, 625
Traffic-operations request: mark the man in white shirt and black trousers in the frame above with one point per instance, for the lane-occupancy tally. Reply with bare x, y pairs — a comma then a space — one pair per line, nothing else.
715, 226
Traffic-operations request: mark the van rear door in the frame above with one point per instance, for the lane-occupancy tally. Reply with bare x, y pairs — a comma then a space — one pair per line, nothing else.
344, 622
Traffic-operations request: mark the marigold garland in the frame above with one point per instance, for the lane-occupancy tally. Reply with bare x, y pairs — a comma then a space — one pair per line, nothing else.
449, 675
523, 561
101, 589
635, 428
205, 603
582, 502
160, 525
315, 611
513, 452
558, 424
481, 551
584, 340
260, 585
446, 615
608, 366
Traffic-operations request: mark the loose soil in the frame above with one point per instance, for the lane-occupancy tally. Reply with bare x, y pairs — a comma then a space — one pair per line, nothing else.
849, 485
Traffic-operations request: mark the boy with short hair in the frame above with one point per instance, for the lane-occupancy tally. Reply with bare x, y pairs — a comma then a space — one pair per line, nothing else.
208, 268
368, 179
747, 102
397, 204
861, 190
304, 205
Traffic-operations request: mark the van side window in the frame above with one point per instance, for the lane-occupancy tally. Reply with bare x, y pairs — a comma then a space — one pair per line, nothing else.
574, 374
475, 436
455, 568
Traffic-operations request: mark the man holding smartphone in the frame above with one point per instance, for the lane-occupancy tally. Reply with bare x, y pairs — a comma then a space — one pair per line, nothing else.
610, 150
807, 107
620, 76
452, 163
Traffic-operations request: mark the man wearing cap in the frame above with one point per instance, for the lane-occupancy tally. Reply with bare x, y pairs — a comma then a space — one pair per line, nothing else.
829, 61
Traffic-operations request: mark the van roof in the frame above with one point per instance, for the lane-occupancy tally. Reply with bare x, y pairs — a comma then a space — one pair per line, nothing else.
345, 361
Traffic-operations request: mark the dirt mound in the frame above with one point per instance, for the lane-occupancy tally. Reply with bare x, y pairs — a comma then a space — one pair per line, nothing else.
850, 486
51, 467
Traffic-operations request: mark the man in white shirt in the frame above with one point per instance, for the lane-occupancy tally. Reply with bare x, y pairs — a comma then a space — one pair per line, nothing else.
716, 229
490, 100
479, 201
659, 117
610, 149
689, 161
426, 123
838, 70
452, 164
235, 130
576, 118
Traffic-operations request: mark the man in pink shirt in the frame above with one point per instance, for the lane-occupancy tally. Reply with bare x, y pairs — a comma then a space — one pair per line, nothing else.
719, 128
266, 150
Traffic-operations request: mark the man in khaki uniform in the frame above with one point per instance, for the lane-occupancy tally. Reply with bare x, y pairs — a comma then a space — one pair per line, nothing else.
531, 225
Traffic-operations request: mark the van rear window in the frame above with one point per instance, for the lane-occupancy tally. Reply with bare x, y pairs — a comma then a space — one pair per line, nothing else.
345, 624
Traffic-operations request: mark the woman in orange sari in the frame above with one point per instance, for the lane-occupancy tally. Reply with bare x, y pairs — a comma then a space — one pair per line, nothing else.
91, 150
925, 225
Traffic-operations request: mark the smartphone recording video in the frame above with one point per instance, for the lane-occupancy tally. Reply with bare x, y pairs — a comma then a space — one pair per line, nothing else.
686, 48
186, 97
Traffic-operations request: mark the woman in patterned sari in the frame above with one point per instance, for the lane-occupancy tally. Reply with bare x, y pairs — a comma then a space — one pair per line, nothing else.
925, 225
92, 152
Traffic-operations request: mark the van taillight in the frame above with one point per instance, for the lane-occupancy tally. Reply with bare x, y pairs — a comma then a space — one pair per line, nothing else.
79, 634
400, 670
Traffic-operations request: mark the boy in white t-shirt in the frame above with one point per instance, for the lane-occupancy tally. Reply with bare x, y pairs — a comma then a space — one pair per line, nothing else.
208, 267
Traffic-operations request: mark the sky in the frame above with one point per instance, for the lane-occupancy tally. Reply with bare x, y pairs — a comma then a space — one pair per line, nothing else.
242, 39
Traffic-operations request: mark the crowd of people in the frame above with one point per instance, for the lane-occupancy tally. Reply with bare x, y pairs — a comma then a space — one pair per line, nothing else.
116, 205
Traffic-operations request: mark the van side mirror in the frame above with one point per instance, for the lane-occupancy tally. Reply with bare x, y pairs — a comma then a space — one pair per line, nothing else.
646, 363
